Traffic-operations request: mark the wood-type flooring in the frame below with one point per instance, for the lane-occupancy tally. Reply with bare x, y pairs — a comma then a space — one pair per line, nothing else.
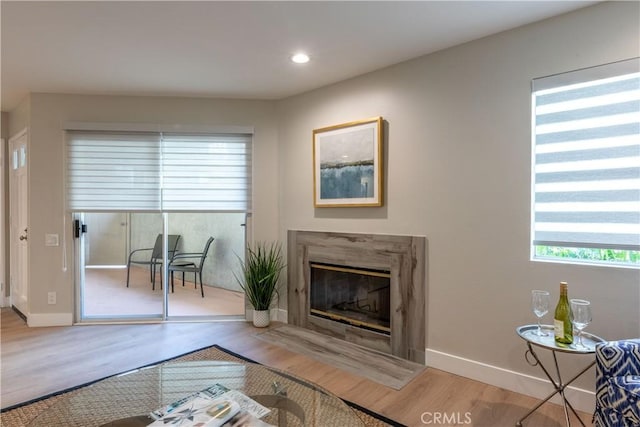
38, 361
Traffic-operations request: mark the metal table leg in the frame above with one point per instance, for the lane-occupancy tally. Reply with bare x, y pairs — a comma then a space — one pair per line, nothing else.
558, 386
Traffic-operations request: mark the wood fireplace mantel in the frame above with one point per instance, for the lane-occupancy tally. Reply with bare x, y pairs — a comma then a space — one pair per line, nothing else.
403, 256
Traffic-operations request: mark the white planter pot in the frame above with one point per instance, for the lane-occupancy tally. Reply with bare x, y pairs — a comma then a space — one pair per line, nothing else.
261, 318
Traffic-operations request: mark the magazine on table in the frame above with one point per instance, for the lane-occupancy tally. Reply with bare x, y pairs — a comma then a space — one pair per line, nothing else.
212, 407
200, 411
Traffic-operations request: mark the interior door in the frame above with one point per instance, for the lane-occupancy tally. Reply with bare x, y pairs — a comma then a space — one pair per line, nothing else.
18, 187
4, 292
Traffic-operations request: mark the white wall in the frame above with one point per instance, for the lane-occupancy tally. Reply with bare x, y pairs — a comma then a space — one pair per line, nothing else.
49, 113
458, 153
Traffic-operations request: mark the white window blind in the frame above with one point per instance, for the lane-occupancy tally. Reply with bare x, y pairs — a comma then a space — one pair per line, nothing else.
152, 171
586, 160
113, 171
206, 172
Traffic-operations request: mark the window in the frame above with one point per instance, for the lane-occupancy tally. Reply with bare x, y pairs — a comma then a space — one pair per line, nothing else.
586, 165
151, 171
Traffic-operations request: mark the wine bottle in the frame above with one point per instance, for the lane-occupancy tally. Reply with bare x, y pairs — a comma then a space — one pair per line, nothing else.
563, 330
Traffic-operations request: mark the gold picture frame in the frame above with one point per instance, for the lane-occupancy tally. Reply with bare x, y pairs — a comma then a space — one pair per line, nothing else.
347, 164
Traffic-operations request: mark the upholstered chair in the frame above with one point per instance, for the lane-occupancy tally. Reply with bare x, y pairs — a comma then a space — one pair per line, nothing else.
618, 384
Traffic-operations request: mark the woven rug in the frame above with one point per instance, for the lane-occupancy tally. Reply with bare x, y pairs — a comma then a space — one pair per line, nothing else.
21, 415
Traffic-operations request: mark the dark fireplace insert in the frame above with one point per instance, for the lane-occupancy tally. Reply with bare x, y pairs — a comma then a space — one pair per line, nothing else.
351, 295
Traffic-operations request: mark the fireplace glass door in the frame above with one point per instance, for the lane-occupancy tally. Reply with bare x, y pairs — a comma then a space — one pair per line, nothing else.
356, 296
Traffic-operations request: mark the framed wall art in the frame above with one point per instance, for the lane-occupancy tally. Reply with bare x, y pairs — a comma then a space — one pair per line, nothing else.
347, 164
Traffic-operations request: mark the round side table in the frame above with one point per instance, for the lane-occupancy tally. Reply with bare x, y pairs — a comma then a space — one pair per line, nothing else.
529, 334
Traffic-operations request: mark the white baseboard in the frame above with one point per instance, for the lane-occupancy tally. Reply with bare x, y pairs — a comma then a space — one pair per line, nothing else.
49, 319
583, 400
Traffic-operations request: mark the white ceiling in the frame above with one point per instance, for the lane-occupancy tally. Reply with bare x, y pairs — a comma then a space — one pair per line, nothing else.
235, 49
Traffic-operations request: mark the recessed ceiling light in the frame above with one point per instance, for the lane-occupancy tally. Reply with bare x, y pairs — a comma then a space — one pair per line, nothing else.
300, 58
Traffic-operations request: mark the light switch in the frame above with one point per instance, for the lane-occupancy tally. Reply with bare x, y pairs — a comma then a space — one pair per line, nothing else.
51, 240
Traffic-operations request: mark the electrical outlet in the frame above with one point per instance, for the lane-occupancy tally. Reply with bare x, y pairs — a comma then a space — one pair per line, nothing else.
51, 298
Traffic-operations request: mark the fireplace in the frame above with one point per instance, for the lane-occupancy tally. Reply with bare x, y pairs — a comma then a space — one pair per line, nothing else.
354, 296
368, 289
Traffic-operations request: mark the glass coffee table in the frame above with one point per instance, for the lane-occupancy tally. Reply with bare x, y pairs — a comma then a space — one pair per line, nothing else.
126, 400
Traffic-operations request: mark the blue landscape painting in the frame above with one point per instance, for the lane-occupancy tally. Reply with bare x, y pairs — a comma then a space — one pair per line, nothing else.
346, 181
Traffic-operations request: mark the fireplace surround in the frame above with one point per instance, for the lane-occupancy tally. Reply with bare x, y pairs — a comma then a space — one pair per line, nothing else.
401, 258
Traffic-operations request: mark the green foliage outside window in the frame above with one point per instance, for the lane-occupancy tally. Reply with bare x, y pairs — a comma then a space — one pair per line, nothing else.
606, 256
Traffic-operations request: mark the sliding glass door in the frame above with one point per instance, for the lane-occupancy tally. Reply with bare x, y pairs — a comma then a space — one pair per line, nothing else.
203, 279
122, 275
150, 205
116, 266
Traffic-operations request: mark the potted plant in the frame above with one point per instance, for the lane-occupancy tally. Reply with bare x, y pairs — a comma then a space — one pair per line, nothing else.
259, 278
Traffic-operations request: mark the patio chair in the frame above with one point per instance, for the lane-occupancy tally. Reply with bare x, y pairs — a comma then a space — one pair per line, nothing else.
181, 263
154, 259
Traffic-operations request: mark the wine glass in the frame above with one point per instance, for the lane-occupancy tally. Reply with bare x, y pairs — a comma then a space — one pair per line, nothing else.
580, 317
540, 307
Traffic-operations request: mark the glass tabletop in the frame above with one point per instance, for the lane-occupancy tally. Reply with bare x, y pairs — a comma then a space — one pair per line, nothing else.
293, 402
529, 333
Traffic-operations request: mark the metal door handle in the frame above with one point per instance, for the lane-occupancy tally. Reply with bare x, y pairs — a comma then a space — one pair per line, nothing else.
23, 237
